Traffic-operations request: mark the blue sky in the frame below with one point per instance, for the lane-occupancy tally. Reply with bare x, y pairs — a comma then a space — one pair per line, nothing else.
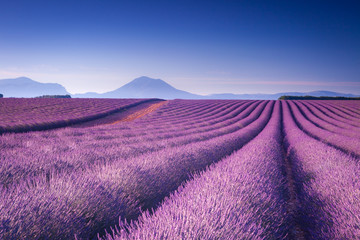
198, 46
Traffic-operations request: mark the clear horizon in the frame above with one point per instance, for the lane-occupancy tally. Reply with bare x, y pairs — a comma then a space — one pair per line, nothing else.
180, 89
202, 47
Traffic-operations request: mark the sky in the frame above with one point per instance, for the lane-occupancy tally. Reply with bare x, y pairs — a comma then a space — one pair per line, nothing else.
198, 46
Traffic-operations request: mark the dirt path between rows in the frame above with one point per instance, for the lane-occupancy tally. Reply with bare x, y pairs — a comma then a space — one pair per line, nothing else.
140, 113
297, 231
124, 115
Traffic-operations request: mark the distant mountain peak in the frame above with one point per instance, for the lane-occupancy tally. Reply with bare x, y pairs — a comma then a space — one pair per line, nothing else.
19, 80
141, 87
146, 87
26, 87
23, 78
145, 78
148, 81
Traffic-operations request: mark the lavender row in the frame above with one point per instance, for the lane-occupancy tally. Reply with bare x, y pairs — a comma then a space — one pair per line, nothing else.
342, 107
333, 117
340, 112
187, 119
23, 110
84, 204
347, 144
58, 152
352, 105
330, 116
21, 114
122, 115
241, 197
311, 114
328, 185
188, 127
179, 109
158, 124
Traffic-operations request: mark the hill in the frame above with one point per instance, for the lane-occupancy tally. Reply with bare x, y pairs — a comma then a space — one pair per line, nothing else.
144, 87
26, 87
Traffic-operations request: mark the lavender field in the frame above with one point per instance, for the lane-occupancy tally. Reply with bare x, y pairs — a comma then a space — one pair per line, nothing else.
180, 169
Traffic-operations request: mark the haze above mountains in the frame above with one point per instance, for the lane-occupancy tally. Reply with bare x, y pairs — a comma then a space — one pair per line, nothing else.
142, 87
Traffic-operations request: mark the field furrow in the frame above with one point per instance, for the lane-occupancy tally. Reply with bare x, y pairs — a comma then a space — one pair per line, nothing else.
327, 183
21, 115
180, 169
311, 115
58, 153
128, 114
156, 129
89, 202
342, 110
241, 197
351, 106
331, 117
347, 144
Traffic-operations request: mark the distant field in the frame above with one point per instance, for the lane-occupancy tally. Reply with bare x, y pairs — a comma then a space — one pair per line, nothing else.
179, 169
24, 114
285, 97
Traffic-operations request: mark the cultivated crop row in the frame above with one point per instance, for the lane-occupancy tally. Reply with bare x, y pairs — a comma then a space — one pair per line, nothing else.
343, 110
88, 202
328, 124
241, 197
204, 169
328, 116
348, 144
160, 125
328, 184
22, 114
69, 150
350, 106
336, 114
246, 195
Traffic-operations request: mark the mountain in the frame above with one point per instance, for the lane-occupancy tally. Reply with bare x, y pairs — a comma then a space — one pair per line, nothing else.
145, 87
142, 87
26, 87
87, 95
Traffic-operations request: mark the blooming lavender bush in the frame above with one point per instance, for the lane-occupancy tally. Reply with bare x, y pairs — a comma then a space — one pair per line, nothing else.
328, 116
237, 179
347, 144
241, 197
140, 182
332, 126
343, 110
328, 184
22, 114
69, 150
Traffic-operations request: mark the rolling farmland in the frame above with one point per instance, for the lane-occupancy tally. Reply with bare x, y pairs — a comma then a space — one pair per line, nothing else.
21, 114
179, 169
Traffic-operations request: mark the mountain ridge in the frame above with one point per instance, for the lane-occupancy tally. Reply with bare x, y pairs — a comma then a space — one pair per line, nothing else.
145, 87
26, 87
142, 87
